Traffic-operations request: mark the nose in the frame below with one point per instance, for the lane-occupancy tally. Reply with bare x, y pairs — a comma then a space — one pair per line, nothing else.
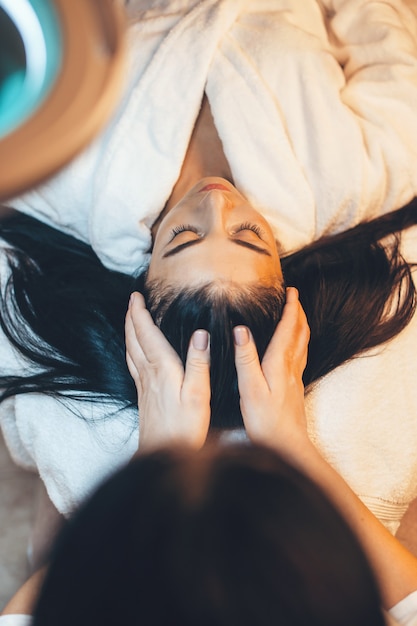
217, 205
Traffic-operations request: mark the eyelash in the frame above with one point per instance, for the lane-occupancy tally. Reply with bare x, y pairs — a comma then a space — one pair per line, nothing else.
188, 227
248, 226
181, 228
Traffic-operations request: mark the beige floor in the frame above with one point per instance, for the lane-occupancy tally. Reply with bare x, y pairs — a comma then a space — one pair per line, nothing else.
18, 490
18, 498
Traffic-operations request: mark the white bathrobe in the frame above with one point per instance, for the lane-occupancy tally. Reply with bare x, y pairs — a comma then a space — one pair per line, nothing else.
316, 106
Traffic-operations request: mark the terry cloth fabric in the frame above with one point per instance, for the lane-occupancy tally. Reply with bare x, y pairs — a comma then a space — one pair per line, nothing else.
315, 103
404, 613
70, 445
363, 418
16, 620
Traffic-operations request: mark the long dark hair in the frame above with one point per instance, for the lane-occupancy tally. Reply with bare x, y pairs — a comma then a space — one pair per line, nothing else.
64, 311
356, 289
229, 536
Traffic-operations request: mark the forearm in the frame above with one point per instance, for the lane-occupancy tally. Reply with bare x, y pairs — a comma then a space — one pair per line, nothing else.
24, 600
394, 566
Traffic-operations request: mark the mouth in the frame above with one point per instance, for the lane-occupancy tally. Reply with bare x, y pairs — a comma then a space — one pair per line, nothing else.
212, 186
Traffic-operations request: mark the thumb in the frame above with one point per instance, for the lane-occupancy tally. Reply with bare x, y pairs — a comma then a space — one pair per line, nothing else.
249, 373
197, 366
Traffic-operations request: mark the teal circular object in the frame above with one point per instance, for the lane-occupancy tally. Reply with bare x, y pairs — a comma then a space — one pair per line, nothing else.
31, 50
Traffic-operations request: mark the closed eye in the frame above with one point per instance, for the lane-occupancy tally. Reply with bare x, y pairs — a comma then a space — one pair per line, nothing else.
182, 228
249, 226
191, 242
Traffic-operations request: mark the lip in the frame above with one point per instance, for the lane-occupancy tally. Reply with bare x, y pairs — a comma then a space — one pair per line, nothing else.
212, 186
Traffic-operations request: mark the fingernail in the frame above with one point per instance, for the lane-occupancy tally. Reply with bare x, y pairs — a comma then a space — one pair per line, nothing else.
131, 299
241, 335
200, 339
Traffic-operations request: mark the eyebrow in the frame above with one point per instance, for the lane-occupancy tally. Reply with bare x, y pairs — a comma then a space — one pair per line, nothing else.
194, 242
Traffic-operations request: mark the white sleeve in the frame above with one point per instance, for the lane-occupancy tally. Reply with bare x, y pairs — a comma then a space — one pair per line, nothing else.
15, 620
404, 613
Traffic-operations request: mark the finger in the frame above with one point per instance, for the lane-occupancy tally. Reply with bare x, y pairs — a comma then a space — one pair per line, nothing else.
291, 295
294, 326
249, 373
196, 385
298, 330
135, 359
133, 371
290, 316
133, 347
290, 339
156, 348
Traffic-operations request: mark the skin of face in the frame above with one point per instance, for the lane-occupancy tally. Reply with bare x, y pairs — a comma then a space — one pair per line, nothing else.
213, 233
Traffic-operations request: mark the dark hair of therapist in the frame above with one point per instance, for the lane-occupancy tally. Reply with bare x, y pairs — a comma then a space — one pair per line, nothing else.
232, 535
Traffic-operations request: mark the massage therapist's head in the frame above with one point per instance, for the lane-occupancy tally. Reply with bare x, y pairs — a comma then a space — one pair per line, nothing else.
215, 265
229, 535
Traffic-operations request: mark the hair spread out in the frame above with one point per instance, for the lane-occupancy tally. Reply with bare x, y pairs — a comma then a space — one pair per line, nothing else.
64, 311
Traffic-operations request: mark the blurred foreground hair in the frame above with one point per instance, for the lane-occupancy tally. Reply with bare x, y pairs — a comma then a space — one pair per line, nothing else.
227, 536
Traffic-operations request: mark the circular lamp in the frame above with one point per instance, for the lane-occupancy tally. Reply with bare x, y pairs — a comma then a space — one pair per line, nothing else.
61, 67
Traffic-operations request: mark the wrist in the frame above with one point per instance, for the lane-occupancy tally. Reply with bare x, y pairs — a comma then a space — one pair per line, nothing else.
151, 439
298, 449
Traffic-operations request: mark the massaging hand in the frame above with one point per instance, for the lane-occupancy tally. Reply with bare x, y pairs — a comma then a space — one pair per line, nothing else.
272, 393
174, 405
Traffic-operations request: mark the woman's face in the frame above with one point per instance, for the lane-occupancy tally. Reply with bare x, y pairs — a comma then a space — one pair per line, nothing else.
214, 233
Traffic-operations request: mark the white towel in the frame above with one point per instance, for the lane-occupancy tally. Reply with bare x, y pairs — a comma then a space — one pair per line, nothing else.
363, 418
70, 445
